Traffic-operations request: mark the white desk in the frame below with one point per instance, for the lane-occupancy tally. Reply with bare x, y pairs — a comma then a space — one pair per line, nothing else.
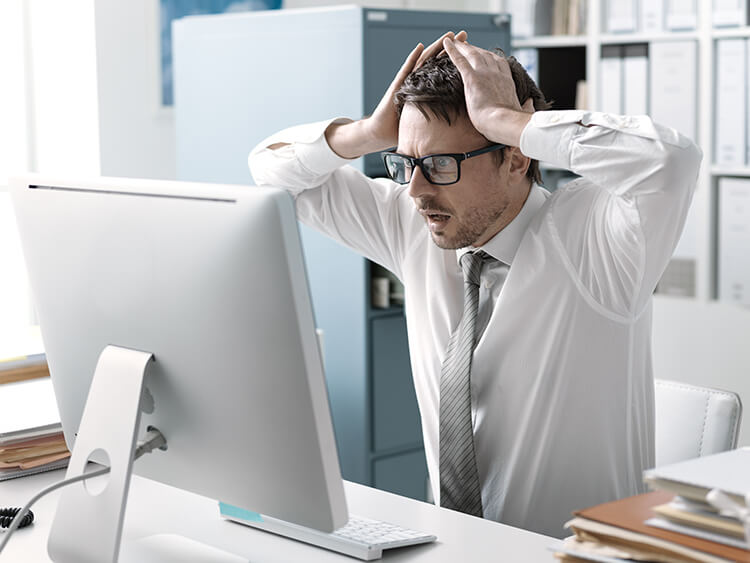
155, 508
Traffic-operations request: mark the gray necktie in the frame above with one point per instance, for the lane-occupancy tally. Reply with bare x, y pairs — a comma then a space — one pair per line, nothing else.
459, 480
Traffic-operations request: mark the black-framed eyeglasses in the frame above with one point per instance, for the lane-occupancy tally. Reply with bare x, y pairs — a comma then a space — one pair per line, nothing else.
439, 169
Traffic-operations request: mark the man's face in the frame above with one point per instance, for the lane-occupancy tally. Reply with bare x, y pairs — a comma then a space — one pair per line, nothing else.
474, 209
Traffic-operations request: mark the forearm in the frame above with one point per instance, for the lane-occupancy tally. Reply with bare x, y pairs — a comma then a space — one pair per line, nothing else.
629, 156
354, 139
507, 125
297, 158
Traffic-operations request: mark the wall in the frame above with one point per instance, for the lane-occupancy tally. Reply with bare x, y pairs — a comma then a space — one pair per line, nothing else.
95, 89
14, 142
704, 344
136, 133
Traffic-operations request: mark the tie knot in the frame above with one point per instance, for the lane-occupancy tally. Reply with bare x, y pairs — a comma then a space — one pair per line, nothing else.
471, 264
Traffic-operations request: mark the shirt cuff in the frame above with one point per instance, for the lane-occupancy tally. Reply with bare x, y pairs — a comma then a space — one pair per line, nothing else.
548, 134
314, 153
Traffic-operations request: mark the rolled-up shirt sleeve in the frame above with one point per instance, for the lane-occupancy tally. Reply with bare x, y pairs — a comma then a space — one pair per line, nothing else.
370, 216
624, 219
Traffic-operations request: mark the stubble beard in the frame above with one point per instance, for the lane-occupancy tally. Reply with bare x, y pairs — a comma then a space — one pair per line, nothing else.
471, 229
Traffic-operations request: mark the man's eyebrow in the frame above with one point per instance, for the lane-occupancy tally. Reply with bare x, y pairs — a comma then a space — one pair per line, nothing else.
424, 155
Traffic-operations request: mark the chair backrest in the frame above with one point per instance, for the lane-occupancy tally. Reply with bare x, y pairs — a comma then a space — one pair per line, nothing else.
694, 421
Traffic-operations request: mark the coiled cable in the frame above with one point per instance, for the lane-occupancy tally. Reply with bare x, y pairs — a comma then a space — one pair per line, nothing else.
7, 515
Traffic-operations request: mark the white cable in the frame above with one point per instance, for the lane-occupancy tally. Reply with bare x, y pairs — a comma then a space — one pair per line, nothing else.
17, 520
154, 439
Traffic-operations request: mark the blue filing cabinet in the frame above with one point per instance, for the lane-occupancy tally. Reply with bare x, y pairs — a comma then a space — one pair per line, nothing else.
241, 77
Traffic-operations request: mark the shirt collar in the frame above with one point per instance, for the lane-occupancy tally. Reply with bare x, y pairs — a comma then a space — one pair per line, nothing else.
503, 245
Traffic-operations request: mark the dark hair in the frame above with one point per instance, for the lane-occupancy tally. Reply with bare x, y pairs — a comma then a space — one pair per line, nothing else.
436, 88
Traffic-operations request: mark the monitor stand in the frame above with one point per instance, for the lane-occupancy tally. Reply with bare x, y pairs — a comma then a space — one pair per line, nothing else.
88, 522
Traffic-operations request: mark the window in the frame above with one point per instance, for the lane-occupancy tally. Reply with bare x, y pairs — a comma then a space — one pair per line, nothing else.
19, 333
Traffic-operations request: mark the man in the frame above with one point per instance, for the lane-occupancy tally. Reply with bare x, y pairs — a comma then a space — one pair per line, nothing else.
532, 365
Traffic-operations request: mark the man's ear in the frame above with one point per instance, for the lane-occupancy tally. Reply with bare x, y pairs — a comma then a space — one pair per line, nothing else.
519, 164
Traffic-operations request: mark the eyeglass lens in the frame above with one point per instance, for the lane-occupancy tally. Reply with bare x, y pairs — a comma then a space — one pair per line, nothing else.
439, 169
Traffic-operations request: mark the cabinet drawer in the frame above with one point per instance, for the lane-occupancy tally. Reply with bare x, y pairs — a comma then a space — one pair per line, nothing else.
394, 403
403, 474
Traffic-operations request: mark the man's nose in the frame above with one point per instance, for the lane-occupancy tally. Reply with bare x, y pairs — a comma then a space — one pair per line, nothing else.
419, 186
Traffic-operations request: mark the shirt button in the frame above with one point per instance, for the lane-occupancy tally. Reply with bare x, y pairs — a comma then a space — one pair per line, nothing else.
554, 118
488, 284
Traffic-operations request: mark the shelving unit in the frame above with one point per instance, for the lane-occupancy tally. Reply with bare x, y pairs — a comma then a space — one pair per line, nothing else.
704, 212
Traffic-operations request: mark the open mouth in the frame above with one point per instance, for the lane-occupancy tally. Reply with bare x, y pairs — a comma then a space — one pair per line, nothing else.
437, 222
438, 217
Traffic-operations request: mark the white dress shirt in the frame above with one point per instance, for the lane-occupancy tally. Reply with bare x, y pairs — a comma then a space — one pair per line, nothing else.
562, 387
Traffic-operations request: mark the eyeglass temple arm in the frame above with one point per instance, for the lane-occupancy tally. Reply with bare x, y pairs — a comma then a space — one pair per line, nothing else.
495, 147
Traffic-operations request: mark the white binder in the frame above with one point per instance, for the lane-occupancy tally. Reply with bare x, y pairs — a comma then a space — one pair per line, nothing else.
673, 85
682, 14
522, 17
729, 13
622, 16
734, 240
730, 111
651, 16
610, 80
635, 80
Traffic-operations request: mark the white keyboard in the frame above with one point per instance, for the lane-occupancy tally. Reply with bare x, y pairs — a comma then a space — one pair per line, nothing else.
361, 537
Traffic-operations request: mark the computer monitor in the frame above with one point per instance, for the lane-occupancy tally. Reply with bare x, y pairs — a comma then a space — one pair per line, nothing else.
209, 281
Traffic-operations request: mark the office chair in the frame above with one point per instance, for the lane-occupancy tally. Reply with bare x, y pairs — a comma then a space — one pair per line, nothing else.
694, 421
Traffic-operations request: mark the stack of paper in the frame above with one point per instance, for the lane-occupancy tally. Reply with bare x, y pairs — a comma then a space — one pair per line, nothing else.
660, 526
33, 455
691, 511
700, 520
31, 438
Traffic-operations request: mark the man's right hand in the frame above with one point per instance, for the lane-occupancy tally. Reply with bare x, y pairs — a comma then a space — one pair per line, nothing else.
379, 131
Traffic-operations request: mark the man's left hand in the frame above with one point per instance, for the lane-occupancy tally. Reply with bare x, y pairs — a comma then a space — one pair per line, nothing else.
490, 92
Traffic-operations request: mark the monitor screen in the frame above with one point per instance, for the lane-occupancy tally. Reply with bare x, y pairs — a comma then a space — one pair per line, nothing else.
210, 279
